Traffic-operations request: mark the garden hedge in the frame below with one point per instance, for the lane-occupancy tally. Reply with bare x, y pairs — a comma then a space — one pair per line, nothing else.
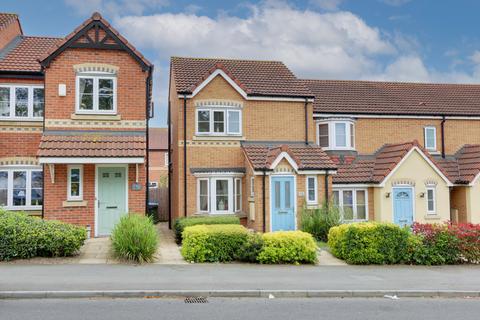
293, 247
213, 243
369, 243
181, 223
23, 237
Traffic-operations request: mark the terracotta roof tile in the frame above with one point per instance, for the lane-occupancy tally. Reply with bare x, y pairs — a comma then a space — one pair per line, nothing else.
158, 138
6, 19
307, 157
23, 52
256, 78
464, 166
395, 98
92, 145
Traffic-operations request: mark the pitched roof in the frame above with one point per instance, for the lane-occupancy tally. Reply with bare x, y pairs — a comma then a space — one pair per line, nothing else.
90, 144
464, 166
158, 138
395, 98
6, 19
375, 168
23, 52
256, 78
95, 18
307, 157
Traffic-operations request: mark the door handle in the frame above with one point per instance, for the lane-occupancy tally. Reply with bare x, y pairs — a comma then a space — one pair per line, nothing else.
112, 207
282, 212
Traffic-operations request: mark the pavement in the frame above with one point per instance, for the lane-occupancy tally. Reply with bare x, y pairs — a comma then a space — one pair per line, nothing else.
218, 308
236, 280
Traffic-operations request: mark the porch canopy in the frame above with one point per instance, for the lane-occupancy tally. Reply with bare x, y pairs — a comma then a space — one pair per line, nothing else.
99, 147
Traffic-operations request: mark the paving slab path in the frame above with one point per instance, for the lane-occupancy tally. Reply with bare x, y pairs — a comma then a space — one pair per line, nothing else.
168, 250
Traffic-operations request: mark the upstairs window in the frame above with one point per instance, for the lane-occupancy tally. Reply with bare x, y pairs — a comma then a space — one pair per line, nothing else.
96, 94
21, 102
218, 122
336, 135
430, 138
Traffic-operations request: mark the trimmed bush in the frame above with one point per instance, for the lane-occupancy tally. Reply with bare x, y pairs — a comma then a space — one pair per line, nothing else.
468, 237
135, 238
181, 223
318, 222
213, 243
288, 247
250, 250
24, 237
369, 243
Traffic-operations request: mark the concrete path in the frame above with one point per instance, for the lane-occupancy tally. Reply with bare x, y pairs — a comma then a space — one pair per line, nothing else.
168, 250
325, 258
96, 251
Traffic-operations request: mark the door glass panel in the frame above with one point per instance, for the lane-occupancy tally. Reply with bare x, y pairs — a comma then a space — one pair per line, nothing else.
402, 195
288, 205
222, 195
361, 205
277, 195
19, 188
203, 195
4, 102
347, 205
21, 102
37, 188
3, 188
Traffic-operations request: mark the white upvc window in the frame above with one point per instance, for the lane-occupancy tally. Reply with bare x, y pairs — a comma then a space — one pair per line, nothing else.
252, 187
430, 135
21, 188
431, 200
312, 190
336, 134
215, 121
21, 102
75, 183
353, 204
219, 195
96, 94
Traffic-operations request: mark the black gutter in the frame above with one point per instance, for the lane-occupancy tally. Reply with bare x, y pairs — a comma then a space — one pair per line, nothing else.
442, 127
34, 75
263, 202
147, 160
185, 155
169, 170
43, 165
306, 121
326, 189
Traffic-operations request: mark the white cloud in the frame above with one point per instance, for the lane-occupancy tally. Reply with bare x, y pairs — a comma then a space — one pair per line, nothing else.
115, 7
395, 3
330, 5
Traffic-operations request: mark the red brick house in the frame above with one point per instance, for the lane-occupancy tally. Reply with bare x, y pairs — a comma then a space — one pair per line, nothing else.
158, 156
73, 124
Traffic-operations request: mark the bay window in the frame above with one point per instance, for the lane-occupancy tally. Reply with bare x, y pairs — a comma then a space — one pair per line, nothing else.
96, 94
218, 122
218, 195
352, 204
336, 134
21, 188
21, 102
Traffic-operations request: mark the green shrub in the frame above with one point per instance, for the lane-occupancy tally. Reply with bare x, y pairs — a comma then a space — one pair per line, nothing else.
135, 238
369, 243
249, 251
181, 223
288, 247
213, 243
24, 237
318, 222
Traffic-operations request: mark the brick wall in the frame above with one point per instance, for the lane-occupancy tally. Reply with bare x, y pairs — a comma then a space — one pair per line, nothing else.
158, 170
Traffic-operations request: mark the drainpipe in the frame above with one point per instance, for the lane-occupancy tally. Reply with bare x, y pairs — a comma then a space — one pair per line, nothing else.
263, 202
147, 137
43, 130
185, 155
326, 188
306, 121
442, 126
169, 171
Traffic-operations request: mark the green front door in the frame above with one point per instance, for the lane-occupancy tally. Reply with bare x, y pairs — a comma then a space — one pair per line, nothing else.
112, 195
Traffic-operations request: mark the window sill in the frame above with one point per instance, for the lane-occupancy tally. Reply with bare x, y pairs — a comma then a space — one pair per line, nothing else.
96, 117
23, 208
432, 217
22, 121
76, 203
213, 137
434, 152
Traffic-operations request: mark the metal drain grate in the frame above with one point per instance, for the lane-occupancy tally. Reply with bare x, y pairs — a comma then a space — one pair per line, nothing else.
196, 300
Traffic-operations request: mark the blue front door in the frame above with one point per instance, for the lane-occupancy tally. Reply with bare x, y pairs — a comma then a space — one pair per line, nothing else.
282, 203
403, 206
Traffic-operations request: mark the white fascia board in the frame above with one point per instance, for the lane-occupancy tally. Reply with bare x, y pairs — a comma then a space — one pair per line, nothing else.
281, 156
106, 160
218, 174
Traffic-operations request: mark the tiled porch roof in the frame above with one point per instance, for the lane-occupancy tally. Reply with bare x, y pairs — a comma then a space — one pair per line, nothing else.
464, 166
92, 144
307, 157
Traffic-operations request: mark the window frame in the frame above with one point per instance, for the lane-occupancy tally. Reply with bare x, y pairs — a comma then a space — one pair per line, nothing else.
433, 189
226, 125
30, 102
252, 186
198, 195
69, 184
95, 96
434, 129
332, 137
354, 203
28, 187
212, 194
315, 187
239, 189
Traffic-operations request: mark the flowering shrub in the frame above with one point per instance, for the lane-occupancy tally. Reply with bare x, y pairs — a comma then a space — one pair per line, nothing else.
468, 241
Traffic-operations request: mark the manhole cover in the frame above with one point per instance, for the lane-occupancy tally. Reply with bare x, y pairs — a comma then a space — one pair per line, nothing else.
196, 300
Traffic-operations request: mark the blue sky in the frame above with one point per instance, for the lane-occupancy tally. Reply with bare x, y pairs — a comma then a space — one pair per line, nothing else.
399, 40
